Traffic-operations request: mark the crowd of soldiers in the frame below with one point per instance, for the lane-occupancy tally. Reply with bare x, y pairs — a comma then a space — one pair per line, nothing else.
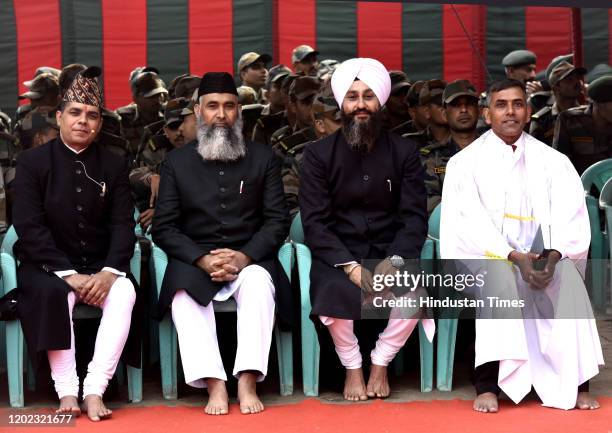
288, 108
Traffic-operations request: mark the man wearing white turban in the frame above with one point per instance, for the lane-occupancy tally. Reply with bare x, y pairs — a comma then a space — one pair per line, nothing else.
363, 208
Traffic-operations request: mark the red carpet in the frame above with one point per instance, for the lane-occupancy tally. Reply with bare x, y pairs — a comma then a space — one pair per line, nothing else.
375, 417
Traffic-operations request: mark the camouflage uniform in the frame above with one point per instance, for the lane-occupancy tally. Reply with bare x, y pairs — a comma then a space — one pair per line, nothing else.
422, 138
434, 158
133, 128
110, 135
267, 125
286, 141
542, 124
578, 138
404, 128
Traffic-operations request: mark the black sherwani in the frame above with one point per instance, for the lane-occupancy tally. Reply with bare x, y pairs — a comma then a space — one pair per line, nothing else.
200, 207
359, 206
64, 223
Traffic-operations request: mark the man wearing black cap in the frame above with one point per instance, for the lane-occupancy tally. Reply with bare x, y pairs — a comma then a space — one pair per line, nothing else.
437, 131
395, 112
149, 94
304, 60
419, 114
584, 133
253, 72
221, 217
272, 117
74, 217
567, 82
461, 108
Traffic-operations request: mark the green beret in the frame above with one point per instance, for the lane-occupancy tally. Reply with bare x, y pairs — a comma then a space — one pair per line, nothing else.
519, 58
600, 90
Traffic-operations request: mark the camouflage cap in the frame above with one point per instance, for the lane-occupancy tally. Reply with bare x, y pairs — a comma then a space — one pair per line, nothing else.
326, 68
287, 82
304, 86
39, 120
600, 90
324, 103
519, 58
247, 59
299, 53
276, 73
600, 70
44, 84
148, 84
554, 62
563, 70
458, 88
43, 70
412, 97
173, 113
246, 95
186, 85
399, 81
431, 92
141, 70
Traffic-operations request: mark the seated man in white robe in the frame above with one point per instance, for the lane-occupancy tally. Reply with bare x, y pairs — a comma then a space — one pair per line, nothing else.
497, 193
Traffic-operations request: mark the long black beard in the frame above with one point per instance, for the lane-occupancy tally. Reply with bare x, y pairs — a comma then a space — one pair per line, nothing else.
361, 136
218, 143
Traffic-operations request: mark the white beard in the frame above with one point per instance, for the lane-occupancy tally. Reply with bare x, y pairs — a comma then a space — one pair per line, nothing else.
220, 143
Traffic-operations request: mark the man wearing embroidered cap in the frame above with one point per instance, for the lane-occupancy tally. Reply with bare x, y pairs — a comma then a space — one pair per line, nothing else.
510, 203
74, 217
221, 217
362, 197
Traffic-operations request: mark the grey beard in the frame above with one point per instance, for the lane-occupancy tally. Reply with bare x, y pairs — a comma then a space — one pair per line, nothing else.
218, 143
361, 135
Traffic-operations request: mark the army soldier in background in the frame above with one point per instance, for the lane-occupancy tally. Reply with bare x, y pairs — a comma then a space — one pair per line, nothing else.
566, 82
521, 65
437, 129
326, 119
326, 68
38, 127
253, 73
149, 94
301, 95
304, 60
461, 107
598, 71
290, 111
584, 133
419, 114
395, 112
272, 117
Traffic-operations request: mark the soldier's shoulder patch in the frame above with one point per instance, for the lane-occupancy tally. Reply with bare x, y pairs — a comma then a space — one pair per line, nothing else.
440, 170
542, 112
424, 151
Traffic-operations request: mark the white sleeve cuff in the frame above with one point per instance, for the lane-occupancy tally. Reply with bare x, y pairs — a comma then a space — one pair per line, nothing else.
63, 274
113, 271
339, 265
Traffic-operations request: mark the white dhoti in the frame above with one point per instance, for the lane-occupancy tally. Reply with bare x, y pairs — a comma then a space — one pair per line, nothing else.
253, 291
110, 340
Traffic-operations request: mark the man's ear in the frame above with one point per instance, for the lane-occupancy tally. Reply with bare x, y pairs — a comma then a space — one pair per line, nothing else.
487, 115
58, 115
196, 111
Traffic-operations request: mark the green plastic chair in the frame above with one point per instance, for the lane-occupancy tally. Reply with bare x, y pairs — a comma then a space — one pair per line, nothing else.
605, 203
168, 343
595, 177
15, 348
310, 343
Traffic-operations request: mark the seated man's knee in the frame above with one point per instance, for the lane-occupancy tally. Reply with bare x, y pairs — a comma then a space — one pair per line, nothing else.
123, 289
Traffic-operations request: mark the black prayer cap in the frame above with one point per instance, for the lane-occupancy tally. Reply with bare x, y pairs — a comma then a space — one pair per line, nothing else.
217, 82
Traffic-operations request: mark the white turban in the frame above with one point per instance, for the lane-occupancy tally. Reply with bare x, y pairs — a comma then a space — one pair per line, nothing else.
370, 71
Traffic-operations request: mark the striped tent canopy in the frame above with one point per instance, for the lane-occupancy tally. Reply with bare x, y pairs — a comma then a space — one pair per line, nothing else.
177, 36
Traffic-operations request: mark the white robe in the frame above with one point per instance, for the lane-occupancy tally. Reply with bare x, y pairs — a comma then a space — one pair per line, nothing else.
493, 201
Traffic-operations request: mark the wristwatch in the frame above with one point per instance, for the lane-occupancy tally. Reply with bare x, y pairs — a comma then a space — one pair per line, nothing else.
396, 261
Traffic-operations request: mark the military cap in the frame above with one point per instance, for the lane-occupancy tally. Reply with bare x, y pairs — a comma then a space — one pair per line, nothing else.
304, 86
174, 110
431, 92
287, 82
190, 104
276, 73
42, 85
458, 88
39, 120
326, 68
519, 58
598, 71
246, 95
600, 90
554, 62
141, 70
42, 70
148, 84
563, 70
247, 59
186, 85
324, 103
301, 52
399, 80
412, 97
173, 83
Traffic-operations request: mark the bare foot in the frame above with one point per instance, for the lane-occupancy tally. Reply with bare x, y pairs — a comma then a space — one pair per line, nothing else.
486, 402
69, 405
96, 411
586, 401
378, 382
247, 393
217, 397
354, 385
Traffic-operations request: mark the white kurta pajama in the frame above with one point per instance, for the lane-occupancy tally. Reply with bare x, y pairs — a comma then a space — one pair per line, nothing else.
494, 199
